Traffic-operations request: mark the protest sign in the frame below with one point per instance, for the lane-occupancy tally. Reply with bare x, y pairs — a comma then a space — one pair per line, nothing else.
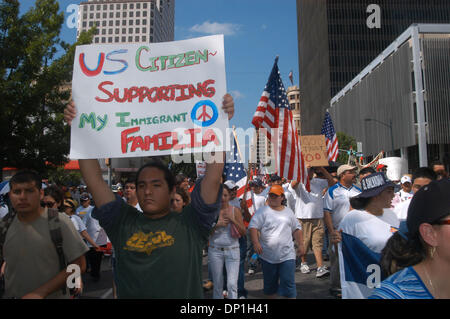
314, 150
149, 99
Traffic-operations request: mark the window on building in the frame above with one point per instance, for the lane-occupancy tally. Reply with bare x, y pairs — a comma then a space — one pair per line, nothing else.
117, 6
131, 5
136, 38
110, 31
105, 6
144, 30
110, 40
104, 23
91, 23
130, 39
124, 6
136, 30
117, 23
144, 6
130, 30
124, 30
111, 15
97, 15
144, 13
131, 14
84, 24
111, 22
91, 7
138, 14
91, 16
124, 39
117, 31
103, 31
98, 7
130, 22
138, 22
124, 14
144, 22
96, 40
104, 15
124, 22
103, 39
117, 14
144, 38
116, 39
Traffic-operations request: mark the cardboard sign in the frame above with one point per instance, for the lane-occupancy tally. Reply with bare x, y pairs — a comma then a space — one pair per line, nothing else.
314, 150
146, 99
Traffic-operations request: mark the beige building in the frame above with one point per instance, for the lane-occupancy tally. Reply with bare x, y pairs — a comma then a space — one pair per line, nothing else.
128, 21
293, 94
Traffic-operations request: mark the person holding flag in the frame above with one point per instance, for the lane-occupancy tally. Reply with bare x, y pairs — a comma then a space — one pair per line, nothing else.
364, 232
236, 180
273, 117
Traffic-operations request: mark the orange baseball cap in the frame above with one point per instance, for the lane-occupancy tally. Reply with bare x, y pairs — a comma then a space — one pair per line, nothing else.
277, 190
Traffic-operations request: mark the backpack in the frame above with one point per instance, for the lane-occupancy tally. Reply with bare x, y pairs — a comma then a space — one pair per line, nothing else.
55, 234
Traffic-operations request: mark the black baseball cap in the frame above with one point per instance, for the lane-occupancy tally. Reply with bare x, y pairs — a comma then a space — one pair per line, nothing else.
374, 184
428, 205
274, 178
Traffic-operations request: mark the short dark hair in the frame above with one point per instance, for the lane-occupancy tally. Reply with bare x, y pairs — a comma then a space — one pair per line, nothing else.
26, 176
424, 172
130, 181
184, 195
55, 192
366, 170
180, 178
156, 163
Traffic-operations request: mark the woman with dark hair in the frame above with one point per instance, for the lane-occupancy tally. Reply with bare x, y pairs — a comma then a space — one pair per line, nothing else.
53, 197
224, 247
417, 257
179, 200
368, 224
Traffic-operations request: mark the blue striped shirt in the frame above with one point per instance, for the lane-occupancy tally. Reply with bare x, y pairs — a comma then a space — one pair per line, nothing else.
404, 284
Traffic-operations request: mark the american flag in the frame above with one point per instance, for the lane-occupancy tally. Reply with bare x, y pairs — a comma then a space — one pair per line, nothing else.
330, 138
234, 169
273, 112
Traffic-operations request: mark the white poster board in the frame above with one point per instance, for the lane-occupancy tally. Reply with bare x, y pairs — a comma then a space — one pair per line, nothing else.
138, 100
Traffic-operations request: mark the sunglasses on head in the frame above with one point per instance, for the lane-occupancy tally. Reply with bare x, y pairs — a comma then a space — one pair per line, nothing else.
48, 204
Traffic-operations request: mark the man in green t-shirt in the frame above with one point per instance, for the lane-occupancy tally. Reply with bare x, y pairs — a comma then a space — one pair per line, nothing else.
158, 252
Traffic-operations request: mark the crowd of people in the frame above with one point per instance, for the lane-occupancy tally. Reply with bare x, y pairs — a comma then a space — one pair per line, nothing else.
160, 226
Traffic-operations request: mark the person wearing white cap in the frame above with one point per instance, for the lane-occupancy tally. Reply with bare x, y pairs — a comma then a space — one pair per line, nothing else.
336, 206
406, 191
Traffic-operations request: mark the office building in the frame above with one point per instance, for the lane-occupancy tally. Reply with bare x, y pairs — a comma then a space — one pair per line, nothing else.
400, 102
128, 21
338, 38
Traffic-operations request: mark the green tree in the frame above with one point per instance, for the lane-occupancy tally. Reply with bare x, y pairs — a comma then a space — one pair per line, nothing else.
346, 143
35, 73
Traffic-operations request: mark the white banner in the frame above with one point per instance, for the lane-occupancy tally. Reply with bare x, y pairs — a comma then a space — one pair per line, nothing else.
137, 100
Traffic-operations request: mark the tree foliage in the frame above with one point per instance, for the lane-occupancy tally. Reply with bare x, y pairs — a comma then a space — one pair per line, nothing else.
35, 73
346, 143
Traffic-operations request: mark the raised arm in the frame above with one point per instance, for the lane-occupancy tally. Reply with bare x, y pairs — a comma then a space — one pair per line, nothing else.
210, 184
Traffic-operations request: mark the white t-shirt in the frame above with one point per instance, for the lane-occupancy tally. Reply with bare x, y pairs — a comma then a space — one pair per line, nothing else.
404, 195
309, 204
94, 230
78, 223
82, 212
374, 232
337, 201
401, 209
259, 200
276, 228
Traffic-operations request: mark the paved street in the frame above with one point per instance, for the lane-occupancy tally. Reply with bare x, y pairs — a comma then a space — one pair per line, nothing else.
308, 286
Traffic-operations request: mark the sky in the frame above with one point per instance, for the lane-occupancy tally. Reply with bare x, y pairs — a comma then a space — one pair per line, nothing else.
256, 31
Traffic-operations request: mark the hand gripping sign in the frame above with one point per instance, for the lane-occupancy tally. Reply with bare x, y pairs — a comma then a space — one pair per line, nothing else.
149, 99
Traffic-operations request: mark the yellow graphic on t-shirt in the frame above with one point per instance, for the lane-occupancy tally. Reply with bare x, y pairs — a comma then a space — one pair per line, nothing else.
146, 243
